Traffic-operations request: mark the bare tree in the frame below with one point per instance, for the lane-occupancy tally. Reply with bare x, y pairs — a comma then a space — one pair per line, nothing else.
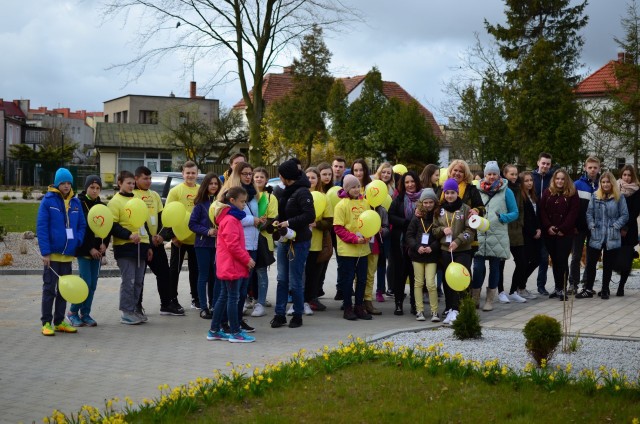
251, 33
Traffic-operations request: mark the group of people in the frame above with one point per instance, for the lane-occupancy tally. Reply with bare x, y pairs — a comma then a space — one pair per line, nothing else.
239, 226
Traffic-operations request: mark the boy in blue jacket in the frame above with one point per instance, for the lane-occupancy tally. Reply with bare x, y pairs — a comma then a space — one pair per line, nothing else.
60, 229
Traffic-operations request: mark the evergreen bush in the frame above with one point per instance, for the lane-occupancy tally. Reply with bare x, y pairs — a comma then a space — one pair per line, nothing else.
467, 324
542, 334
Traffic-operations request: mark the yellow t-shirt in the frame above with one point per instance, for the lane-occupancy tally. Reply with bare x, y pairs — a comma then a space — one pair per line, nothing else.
272, 212
346, 214
154, 204
186, 195
316, 235
117, 207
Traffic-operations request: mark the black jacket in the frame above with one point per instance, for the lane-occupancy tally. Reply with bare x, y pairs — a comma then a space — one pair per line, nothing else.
296, 206
90, 240
413, 239
633, 205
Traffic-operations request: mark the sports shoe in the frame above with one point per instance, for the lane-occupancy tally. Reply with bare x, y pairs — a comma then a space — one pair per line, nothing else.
47, 330
246, 327
339, 295
585, 294
178, 305
295, 322
130, 318
554, 294
258, 311
307, 309
139, 311
241, 337
389, 293
562, 295
75, 320
225, 328
527, 294
206, 314
420, 316
435, 317
173, 308
63, 327
379, 297
316, 305
278, 321
517, 298
503, 298
195, 304
88, 321
267, 304
447, 318
542, 291
217, 335
451, 317
290, 310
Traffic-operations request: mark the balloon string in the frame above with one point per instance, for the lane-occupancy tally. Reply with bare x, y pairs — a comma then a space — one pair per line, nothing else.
52, 270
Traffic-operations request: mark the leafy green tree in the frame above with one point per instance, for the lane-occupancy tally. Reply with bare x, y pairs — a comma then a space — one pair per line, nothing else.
51, 154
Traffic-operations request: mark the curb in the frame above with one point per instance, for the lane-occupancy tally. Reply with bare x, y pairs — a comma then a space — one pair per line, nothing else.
104, 273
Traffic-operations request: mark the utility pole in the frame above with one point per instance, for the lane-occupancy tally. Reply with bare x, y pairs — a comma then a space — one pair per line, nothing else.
482, 140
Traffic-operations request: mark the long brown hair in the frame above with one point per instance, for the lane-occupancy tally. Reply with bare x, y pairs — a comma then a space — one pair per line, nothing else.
426, 174
569, 188
527, 194
203, 190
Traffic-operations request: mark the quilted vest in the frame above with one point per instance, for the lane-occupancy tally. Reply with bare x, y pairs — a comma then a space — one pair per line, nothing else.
495, 242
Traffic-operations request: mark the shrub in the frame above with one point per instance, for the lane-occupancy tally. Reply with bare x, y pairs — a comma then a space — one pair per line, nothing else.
6, 197
26, 193
467, 324
542, 334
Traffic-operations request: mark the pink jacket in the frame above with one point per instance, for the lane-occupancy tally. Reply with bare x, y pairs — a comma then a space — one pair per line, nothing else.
231, 256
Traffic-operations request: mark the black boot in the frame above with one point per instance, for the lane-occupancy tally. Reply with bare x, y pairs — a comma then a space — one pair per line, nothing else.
398, 310
623, 281
605, 291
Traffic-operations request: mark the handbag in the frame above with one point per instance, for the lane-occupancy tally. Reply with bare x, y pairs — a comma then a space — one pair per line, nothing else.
264, 256
327, 248
624, 260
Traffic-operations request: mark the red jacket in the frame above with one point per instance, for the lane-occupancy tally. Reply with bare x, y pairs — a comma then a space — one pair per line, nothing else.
558, 211
231, 256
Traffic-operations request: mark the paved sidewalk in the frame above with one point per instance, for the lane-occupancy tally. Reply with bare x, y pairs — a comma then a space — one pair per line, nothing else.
38, 374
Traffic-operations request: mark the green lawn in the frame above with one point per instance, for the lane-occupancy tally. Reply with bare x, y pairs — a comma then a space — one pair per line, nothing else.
18, 217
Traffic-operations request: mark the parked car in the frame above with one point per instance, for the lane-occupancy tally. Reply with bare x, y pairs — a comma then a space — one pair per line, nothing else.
162, 182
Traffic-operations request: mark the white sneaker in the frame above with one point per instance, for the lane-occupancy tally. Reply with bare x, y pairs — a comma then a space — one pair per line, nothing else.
527, 294
307, 309
290, 310
258, 311
517, 298
447, 320
435, 317
452, 316
503, 298
420, 316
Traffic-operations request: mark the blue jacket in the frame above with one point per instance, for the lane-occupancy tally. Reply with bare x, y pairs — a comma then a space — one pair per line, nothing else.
605, 218
200, 224
53, 220
541, 182
585, 188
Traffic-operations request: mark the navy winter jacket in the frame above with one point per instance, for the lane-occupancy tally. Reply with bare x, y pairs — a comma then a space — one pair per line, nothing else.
200, 224
585, 188
54, 219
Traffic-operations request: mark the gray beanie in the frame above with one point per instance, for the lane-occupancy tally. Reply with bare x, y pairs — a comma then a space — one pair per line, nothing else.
90, 180
492, 168
428, 193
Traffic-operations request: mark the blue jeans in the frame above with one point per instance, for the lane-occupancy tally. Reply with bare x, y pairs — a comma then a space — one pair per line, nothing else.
348, 269
263, 284
227, 302
542, 268
206, 258
89, 270
292, 257
479, 271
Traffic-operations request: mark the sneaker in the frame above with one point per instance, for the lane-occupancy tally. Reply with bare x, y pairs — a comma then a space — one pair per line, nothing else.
435, 317
225, 328
88, 321
139, 311
389, 293
585, 294
249, 302
316, 305
290, 310
267, 304
503, 298
258, 311
206, 314
339, 295
195, 304
178, 306
420, 316
527, 294
295, 322
379, 297
517, 298
130, 318
543, 292
47, 330
451, 317
562, 296
307, 309
241, 337
172, 308
246, 327
63, 327
554, 294
448, 315
278, 321
75, 320
217, 335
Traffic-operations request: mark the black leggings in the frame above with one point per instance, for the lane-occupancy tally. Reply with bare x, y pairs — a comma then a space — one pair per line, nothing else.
559, 249
608, 259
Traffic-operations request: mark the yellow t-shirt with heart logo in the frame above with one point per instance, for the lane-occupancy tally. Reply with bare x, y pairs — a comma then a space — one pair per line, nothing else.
346, 214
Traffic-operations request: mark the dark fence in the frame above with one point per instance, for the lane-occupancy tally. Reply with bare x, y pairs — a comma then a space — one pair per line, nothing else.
32, 174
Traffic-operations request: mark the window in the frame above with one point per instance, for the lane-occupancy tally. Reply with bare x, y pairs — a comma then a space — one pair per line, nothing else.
620, 162
118, 117
131, 160
106, 119
125, 116
148, 117
184, 118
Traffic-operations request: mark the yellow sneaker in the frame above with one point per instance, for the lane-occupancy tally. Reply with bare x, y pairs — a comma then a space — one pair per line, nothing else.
47, 330
64, 327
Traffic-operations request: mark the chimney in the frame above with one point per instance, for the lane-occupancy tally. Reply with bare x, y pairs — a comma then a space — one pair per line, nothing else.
621, 57
288, 70
192, 90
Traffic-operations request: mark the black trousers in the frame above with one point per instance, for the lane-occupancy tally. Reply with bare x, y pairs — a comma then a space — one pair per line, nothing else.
312, 277
403, 269
159, 265
608, 259
175, 265
559, 249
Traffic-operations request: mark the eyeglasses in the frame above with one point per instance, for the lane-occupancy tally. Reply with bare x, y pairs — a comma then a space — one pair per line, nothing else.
247, 174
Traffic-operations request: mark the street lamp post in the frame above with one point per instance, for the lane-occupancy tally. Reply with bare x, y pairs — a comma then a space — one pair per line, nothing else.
482, 140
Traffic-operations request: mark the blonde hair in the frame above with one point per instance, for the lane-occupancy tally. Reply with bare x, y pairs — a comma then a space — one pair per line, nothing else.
234, 180
378, 174
569, 188
615, 191
468, 176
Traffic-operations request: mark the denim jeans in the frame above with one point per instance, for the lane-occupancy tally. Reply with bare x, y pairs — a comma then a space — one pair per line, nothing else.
206, 274
132, 282
227, 302
263, 284
292, 257
89, 270
244, 284
480, 270
349, 268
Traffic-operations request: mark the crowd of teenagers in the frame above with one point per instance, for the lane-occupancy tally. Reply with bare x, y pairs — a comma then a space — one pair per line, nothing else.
240, 226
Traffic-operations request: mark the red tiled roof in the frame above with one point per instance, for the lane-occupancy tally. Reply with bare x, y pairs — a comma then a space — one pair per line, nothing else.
65, 112
274, 87
393, 90
352, 82
598, 83
12, 109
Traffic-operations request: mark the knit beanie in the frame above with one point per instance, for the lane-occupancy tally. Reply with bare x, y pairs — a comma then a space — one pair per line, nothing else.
450, 184
289, 170
90, 180
349, 181
428, 193
62, 176
492, 168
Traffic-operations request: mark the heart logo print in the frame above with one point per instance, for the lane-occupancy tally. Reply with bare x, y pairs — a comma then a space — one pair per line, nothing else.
98, 220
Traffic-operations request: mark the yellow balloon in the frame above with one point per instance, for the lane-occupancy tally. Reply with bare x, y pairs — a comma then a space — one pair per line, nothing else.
387, 202
319, 203
73, 288
212, 211
173, 214
100, 220
457, 276
182, 230
400, 169
332, 195
137, 212
376, 191
444, 175
369, 223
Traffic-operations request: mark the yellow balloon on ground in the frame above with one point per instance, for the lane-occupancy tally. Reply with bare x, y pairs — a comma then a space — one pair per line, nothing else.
457, 276
375, 192
444, 175
182, 230
319, 203
137, 211
73, 288
173, 214
100, 220
400, 169
387, 202
332, 196
369, 223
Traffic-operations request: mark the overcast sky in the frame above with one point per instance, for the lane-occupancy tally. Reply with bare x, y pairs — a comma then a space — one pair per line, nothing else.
56, 53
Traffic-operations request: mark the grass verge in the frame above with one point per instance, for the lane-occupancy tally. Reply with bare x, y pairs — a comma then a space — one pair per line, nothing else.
18, 217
